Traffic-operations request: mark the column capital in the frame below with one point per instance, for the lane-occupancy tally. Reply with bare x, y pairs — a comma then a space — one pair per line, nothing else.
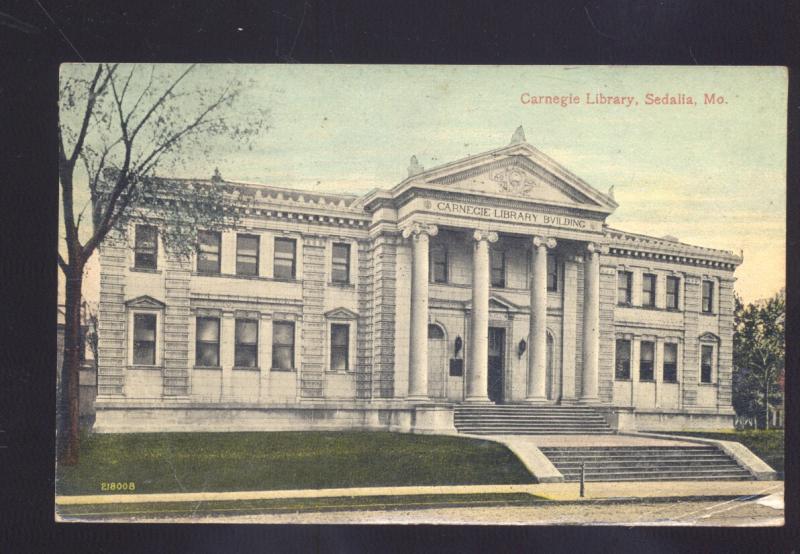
481, 234
418, 229
544, 241
594, 247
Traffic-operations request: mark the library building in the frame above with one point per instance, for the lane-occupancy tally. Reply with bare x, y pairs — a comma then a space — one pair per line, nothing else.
488, 285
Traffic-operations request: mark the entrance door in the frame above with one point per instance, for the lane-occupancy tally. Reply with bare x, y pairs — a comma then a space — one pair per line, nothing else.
497, 348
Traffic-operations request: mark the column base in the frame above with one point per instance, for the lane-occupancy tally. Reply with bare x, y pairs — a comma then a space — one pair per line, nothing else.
477, 400
589, 401
537, 400
418, 398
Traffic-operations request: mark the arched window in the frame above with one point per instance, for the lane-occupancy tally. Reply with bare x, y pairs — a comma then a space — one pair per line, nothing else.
435, 332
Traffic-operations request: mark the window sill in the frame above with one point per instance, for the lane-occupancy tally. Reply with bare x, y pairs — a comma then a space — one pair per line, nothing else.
622, 379
708, 313
650, 308
246, 277
341, 285
215, 367
707, 384
243, 368
339, 371
647, 380
279, 370
670, 382
140, 366
144, 270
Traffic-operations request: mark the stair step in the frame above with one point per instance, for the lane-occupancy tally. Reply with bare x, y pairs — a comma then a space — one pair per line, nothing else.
678, 462
658, 477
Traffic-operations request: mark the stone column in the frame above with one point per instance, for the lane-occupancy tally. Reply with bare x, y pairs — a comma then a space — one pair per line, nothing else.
570, 329
478, 371
537, 349
419, 233
591, 322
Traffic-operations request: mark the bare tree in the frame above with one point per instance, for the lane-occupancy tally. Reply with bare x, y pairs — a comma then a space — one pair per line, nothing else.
117, 126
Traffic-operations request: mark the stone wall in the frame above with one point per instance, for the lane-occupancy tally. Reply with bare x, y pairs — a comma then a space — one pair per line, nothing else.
384, 260
111, 318
313, 332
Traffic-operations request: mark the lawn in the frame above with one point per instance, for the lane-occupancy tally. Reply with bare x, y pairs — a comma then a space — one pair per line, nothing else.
767, 445
192, 462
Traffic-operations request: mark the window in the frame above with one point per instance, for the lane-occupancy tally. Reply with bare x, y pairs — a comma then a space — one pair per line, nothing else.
435, 332
552, 273
283, 345
439, 264
649, 290
340, 263
673, 284
246, 255
144, 339
340, 347
284, 264
207, 342
706, 362
624, 286
498, 268
146, 247
708, 297
246, 353
622, 369
646, 357
670, 370
208, 251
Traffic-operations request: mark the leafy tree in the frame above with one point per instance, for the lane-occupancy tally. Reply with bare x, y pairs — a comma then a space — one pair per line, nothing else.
119, 125
758, 356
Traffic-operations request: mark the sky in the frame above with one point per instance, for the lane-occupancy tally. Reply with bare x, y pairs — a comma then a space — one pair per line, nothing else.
709, 174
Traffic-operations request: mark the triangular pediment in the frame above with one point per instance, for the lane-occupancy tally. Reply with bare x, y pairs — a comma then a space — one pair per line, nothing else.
498, 303
517, 171
341, 313
145, 302
708, 337
515, 176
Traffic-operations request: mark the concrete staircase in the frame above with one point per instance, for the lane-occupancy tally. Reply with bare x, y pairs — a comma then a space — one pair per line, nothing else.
516, 419
645, 463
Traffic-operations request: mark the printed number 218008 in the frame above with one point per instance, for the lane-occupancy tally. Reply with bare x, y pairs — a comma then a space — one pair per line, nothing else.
116, 486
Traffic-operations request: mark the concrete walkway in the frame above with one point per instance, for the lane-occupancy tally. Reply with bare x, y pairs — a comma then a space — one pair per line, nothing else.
549, 491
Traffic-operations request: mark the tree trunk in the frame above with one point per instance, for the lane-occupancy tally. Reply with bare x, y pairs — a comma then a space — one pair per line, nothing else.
68, 395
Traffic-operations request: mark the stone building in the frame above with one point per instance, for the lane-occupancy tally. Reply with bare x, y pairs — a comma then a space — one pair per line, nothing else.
494, 279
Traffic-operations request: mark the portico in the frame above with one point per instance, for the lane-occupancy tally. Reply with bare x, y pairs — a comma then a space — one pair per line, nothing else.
539, 372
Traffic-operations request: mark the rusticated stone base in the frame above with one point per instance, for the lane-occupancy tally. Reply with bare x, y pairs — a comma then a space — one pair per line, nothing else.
145, 416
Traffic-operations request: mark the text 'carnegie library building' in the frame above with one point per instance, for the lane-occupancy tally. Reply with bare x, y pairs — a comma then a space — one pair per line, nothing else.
489, 280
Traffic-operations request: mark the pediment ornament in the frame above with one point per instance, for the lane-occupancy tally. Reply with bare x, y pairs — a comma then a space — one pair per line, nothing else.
514, 180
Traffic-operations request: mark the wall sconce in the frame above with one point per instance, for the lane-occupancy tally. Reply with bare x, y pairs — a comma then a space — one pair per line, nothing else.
523, 346
458, 344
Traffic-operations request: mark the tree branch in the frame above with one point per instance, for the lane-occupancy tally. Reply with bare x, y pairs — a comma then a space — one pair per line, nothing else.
159, 102
62, 264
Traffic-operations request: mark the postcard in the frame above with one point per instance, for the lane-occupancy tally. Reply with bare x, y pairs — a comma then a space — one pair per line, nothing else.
421, 294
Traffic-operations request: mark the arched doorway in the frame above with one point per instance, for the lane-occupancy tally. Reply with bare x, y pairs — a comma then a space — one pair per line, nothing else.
437, 354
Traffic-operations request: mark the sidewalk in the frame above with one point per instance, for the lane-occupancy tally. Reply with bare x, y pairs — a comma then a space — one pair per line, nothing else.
548, 491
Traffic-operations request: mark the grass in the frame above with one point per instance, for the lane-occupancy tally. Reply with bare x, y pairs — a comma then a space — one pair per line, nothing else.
278, 506
767, 445
194, 462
